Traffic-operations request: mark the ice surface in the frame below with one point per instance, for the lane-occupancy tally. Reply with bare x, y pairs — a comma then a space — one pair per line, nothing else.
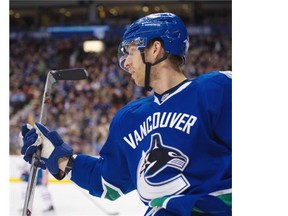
68, 199
71, 200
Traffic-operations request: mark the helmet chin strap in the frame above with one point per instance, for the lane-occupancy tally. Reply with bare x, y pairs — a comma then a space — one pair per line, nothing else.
147, 76
148, 69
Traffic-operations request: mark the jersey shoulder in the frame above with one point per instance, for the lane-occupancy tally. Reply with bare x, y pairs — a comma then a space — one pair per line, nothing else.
131, 106
213, 79
214, 76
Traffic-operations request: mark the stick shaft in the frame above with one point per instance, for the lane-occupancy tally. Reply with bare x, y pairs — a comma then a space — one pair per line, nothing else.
28, 204
29, 197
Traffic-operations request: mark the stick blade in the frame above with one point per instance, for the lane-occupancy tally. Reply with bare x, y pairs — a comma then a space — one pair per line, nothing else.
70, 74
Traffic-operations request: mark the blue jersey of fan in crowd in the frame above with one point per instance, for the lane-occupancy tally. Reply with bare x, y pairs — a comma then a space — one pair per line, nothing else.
174, 149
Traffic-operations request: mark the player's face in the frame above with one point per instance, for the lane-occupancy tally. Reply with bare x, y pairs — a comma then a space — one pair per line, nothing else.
135, 65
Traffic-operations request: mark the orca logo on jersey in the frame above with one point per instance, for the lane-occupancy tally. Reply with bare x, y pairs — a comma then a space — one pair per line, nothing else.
153, 162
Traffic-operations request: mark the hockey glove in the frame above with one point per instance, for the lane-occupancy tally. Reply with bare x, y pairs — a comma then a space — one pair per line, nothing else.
30, 142
53, 148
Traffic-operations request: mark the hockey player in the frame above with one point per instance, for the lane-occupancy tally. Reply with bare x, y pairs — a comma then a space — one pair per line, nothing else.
173, 147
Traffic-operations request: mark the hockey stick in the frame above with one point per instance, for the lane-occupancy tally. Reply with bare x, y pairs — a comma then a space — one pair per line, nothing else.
52, 77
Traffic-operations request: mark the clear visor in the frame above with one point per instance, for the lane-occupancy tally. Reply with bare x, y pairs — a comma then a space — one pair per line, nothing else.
123, 50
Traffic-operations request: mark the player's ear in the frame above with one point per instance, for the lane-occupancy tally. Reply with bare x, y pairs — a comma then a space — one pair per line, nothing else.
156, 47
156, 51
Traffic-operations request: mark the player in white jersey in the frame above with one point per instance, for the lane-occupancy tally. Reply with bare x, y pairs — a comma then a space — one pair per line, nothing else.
173, 147
41, 184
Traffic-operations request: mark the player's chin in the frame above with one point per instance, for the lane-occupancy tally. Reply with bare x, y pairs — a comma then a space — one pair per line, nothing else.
138, 83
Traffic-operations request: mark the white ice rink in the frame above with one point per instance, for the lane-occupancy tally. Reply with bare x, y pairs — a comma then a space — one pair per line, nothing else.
71, 200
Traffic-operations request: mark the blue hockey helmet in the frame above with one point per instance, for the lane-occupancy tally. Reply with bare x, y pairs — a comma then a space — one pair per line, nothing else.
167, 26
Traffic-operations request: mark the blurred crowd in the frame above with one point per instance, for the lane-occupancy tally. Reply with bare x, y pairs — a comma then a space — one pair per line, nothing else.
82, 110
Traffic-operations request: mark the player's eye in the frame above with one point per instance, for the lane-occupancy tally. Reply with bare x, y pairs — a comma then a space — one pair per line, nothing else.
132, 50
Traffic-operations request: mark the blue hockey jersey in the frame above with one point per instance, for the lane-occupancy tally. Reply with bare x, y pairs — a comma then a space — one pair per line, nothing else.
174, 149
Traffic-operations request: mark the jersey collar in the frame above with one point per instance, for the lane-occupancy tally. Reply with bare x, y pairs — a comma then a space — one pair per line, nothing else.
161, 98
